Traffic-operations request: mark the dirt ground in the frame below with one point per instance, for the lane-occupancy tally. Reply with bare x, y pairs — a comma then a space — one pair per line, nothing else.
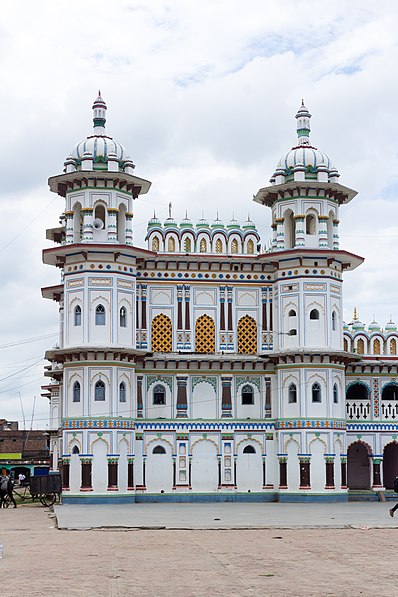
42, 560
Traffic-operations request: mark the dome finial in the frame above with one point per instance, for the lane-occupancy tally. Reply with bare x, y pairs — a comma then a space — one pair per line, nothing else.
99, 115
355, 316
303, 124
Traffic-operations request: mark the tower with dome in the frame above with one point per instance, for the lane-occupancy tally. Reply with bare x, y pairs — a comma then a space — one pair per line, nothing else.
202, 366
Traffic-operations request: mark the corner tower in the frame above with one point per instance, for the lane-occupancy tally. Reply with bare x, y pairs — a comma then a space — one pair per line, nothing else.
305, 197
93, 366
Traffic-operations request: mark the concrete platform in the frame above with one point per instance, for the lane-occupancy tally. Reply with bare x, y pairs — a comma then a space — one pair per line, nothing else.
226, 516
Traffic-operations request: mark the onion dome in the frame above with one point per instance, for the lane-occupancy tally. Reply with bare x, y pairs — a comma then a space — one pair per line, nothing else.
233, 224
356, 324
249, 225
391, 326
99, 146
186, 222
304, 156
346, 327
154, 221
217, 224
202, 223
374, 326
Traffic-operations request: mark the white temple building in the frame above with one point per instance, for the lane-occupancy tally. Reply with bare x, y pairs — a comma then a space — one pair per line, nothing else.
200, 367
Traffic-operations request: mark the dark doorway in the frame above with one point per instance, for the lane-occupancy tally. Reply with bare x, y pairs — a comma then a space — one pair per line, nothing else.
358, 467
390, 465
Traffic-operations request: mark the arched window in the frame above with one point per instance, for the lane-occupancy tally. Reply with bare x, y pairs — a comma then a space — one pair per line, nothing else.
161, 333
99, 391
247, 335
234, 246
158, 450
393, 346
203, 246
99, 217
187, 245
334, 322
123, 317
249, 450
292, 313
218, 245
122, 392
247, 395
155, 244
360, 346
292, 393
76, 392
100, 315
250, 247
171, 245
205, 334
75, 450
78, 315
316, 393
335, 394
376, 346
345, 344
310, 224
159, 395
314, 314
390, 392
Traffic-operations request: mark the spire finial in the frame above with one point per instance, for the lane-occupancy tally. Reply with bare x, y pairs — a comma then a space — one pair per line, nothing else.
170, 208
303, 124
99, 114
355, 316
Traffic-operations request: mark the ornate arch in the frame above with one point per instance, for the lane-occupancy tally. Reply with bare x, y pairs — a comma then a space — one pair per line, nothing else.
155, 244
74, 442
158, 440
317, 439
161, 333
247, 335
249, 440
99, 439
360, 441
291, 440
204, 439
205, 334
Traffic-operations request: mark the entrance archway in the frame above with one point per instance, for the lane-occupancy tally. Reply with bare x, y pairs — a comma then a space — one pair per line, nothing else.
358, 466
390, 465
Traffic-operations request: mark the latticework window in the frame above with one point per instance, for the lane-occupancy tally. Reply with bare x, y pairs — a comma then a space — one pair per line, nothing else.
360, 346
234, 246
393, 346
247, 335
171, 245
218, 245
155, 244
203, 246
161, 333
205, 334
250, 247
376, 346
187, 245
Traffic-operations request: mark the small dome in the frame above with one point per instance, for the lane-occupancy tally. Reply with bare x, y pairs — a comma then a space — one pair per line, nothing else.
346, 327
249, 225
374, 326
203, 223
99, 145
186, 222
358, 325
304, 156
233, 224
217, 224
391, 326
154, 221
170, 222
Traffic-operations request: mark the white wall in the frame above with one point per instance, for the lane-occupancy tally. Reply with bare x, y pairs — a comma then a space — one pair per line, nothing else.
249, 472
204, 401
159, 469
99, 466
204, 466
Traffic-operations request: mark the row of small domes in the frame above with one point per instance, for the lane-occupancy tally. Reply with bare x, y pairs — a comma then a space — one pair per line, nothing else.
357, 325
170, 222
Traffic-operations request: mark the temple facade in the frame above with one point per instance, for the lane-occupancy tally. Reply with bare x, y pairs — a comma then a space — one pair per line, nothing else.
203, 366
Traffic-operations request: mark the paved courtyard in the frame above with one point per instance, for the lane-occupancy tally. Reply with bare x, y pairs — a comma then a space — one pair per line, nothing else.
41, 560
227, 515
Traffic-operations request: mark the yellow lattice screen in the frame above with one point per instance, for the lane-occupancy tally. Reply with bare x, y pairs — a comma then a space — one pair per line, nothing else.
205, 334
187, 245
161, 333
393, 346
203, 246
376, 346
155, 244
360, 346
171, 246
218, 246
247, 335
234, 246
250, 247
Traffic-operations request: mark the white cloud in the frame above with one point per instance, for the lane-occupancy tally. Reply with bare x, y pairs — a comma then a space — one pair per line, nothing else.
203, 94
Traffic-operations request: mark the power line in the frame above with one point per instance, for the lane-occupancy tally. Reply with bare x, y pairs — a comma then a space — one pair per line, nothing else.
28, 340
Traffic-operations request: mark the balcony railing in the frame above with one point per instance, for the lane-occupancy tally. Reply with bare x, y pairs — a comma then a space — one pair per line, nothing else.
389, 409
358, 409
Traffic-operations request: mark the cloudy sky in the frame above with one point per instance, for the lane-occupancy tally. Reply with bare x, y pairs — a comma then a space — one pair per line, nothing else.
203, 94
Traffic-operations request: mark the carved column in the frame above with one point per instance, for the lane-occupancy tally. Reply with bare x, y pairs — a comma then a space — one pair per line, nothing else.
129, 228
182, 402
130, 473
329, 465
140, 404
187, 291
274, 236
305, 477
180, 340
282, 472
113, 473
112, 224
300, 232
336, 241
323, 231
226, 398
377, 482
343, 461
86, 464
65, 468
87, 223
280, 234
69, 231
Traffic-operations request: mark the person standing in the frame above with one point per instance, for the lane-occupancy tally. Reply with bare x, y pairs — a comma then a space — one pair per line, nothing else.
6, 489
392, 510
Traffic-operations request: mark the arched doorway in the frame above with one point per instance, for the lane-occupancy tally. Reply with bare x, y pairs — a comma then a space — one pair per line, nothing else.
249, 473
204, 467
358, 466
390, 465
159, 469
